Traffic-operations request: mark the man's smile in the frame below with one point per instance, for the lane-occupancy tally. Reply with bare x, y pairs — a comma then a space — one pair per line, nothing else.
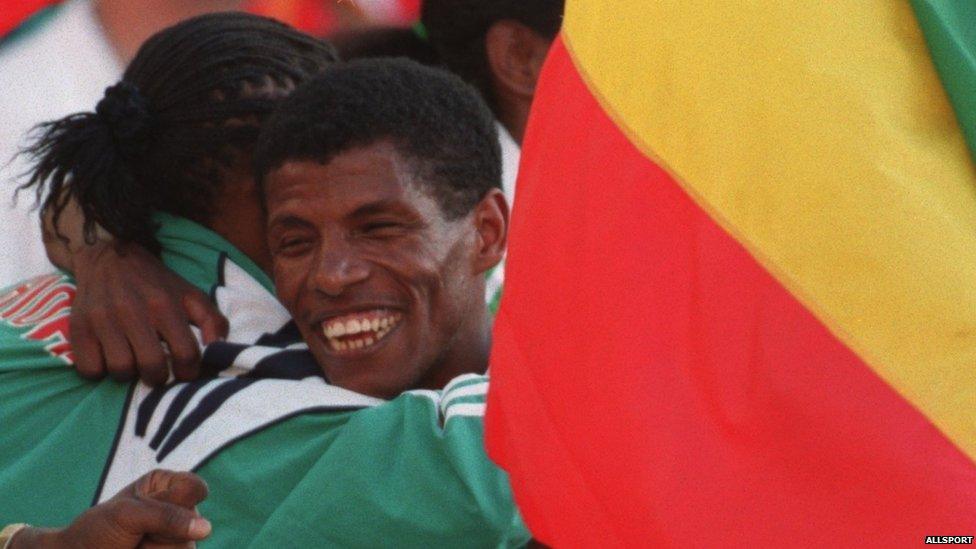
355, 332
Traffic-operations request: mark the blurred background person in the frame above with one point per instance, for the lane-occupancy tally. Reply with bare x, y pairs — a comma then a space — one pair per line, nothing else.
498, 46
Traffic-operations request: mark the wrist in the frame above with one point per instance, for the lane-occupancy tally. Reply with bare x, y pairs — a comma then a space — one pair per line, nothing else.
86, 257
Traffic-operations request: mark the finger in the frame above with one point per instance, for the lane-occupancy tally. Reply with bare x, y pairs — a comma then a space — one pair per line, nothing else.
173, 328
184, 348
184, 351
87, 352
150, 517
188, 490
150, 359
119, 359
205, 315
153, 481
184, 489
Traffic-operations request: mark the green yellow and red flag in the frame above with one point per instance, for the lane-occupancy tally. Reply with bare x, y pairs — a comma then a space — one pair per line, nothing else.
740, 306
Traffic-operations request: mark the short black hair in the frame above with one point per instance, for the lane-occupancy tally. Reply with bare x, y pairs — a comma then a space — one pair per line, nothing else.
456, 29
188, 107
437, 122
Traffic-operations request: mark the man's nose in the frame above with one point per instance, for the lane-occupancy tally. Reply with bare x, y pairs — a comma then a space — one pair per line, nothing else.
339, 268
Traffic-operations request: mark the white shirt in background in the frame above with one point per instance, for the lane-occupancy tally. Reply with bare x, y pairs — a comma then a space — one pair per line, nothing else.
58, 69
511, 153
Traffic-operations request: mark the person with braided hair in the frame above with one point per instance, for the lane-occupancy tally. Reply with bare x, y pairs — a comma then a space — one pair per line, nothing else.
497, 46
163, 162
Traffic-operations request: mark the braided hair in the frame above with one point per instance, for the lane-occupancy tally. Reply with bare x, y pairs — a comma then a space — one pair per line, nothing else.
457, 29
189, 107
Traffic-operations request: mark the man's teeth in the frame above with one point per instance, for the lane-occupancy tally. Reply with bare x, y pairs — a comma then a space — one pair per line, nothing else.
365, 329
353, 326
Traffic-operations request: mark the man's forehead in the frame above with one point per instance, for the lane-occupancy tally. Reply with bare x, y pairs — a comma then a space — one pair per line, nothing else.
356, 183
380, 159
355, 173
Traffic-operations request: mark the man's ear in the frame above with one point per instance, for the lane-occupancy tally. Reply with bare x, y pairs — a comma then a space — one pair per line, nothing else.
515, 56
490, 218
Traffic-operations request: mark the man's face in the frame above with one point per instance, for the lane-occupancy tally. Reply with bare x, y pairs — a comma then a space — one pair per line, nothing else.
378, 281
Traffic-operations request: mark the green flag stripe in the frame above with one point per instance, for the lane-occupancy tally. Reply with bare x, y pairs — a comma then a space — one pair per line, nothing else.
950, 30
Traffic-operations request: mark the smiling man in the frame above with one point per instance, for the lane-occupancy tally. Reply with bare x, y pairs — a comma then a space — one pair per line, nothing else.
380, 233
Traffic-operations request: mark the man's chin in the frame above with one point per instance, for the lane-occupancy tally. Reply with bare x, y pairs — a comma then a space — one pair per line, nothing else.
369, 384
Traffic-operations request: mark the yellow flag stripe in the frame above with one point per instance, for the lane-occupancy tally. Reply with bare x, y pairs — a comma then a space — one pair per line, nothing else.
818, 135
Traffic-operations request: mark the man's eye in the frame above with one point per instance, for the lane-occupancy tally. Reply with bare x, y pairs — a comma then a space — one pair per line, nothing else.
292, 246
382, 228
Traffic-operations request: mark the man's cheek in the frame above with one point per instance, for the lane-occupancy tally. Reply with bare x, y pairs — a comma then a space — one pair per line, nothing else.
285, 286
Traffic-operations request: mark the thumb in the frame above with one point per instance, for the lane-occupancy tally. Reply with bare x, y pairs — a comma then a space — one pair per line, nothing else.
205, 315
148, 517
